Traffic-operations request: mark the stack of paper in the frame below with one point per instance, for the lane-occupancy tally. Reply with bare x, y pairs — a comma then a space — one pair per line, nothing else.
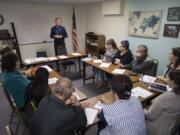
147, 79
97, 61
52, 80
63, 57
28, 61
104, 65
47, 67
86, 59
76, 54
90, 115
99, 105
118, 71
52, 58
138, 91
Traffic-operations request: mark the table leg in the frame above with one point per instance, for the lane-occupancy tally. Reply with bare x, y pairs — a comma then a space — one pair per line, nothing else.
79, 65
84, 73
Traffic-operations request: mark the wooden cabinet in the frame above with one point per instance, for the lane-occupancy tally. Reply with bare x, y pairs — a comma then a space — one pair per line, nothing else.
94, 43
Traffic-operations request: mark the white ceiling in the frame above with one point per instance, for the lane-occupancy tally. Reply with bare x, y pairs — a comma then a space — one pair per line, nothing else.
56, 1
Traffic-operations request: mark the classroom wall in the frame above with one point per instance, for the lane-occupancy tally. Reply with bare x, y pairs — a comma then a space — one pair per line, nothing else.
8, 11
117, 27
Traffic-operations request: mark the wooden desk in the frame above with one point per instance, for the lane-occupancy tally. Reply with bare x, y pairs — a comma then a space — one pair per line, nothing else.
107, 70
69, 56
109, 98
52, 74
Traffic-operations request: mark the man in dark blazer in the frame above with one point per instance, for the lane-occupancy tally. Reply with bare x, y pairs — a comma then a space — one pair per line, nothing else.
58, 33
59, 113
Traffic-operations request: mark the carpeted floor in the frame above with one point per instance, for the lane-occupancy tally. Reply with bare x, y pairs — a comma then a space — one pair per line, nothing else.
89, 89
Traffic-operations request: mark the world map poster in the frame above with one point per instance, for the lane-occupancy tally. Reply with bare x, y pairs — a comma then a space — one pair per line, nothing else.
144, 23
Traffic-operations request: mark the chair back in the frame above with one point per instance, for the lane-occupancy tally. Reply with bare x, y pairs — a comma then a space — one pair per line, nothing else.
62, 51
9, 130
155, 66
41, 53
8, 97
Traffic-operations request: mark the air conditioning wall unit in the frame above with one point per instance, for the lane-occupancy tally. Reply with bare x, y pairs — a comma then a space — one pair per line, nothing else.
113, 7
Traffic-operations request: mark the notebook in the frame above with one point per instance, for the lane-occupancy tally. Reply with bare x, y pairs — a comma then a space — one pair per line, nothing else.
52, 80
118, 71
138, 91
90, 115
99, 105
105, 65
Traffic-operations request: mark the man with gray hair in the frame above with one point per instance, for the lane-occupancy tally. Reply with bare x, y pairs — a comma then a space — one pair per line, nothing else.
59, 113
142, 63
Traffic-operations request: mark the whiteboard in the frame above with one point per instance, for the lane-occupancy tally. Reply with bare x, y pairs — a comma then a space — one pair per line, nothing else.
34, 26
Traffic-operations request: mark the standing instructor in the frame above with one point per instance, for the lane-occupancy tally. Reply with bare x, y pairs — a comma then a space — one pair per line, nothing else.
58, 33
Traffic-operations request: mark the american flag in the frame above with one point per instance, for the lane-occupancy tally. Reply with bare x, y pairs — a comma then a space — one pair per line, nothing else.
74, 35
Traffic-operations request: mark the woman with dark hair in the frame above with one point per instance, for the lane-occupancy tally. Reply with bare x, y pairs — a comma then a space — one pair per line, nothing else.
174, 60
125, 115
111, 50
165, 109
124, 56
13, 80
38, 88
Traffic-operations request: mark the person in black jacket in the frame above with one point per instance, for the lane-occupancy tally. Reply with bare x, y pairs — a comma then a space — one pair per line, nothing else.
58, 33
124, 56
59, 113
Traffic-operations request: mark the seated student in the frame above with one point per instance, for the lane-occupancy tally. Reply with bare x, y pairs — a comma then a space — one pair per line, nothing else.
111, 50
13, 80
142, 63
38, 88
174, 60
59, 113
125, 115
165, 109
124, 56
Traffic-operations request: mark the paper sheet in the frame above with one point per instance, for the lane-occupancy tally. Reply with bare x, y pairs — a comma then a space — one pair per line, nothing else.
63, 57
86, 59
47, 67
118, 71
76, 54
76, 95
52, 58
32, 60
104, 65
148, 79
52, 80
90, 115
97, 61
99, 105
138, 91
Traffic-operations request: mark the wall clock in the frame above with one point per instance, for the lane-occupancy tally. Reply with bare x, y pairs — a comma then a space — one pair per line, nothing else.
1, 20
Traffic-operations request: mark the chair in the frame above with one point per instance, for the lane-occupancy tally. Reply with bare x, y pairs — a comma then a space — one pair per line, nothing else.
155, 67
13, 113
65, 63
9, 130
20, 116
41, 53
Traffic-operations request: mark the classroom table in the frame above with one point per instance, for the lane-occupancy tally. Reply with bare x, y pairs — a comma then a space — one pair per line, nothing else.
109, 98
53, 74
134, 77
70, 56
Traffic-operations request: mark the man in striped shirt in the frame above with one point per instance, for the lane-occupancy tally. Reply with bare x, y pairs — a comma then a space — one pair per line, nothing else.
125, 116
